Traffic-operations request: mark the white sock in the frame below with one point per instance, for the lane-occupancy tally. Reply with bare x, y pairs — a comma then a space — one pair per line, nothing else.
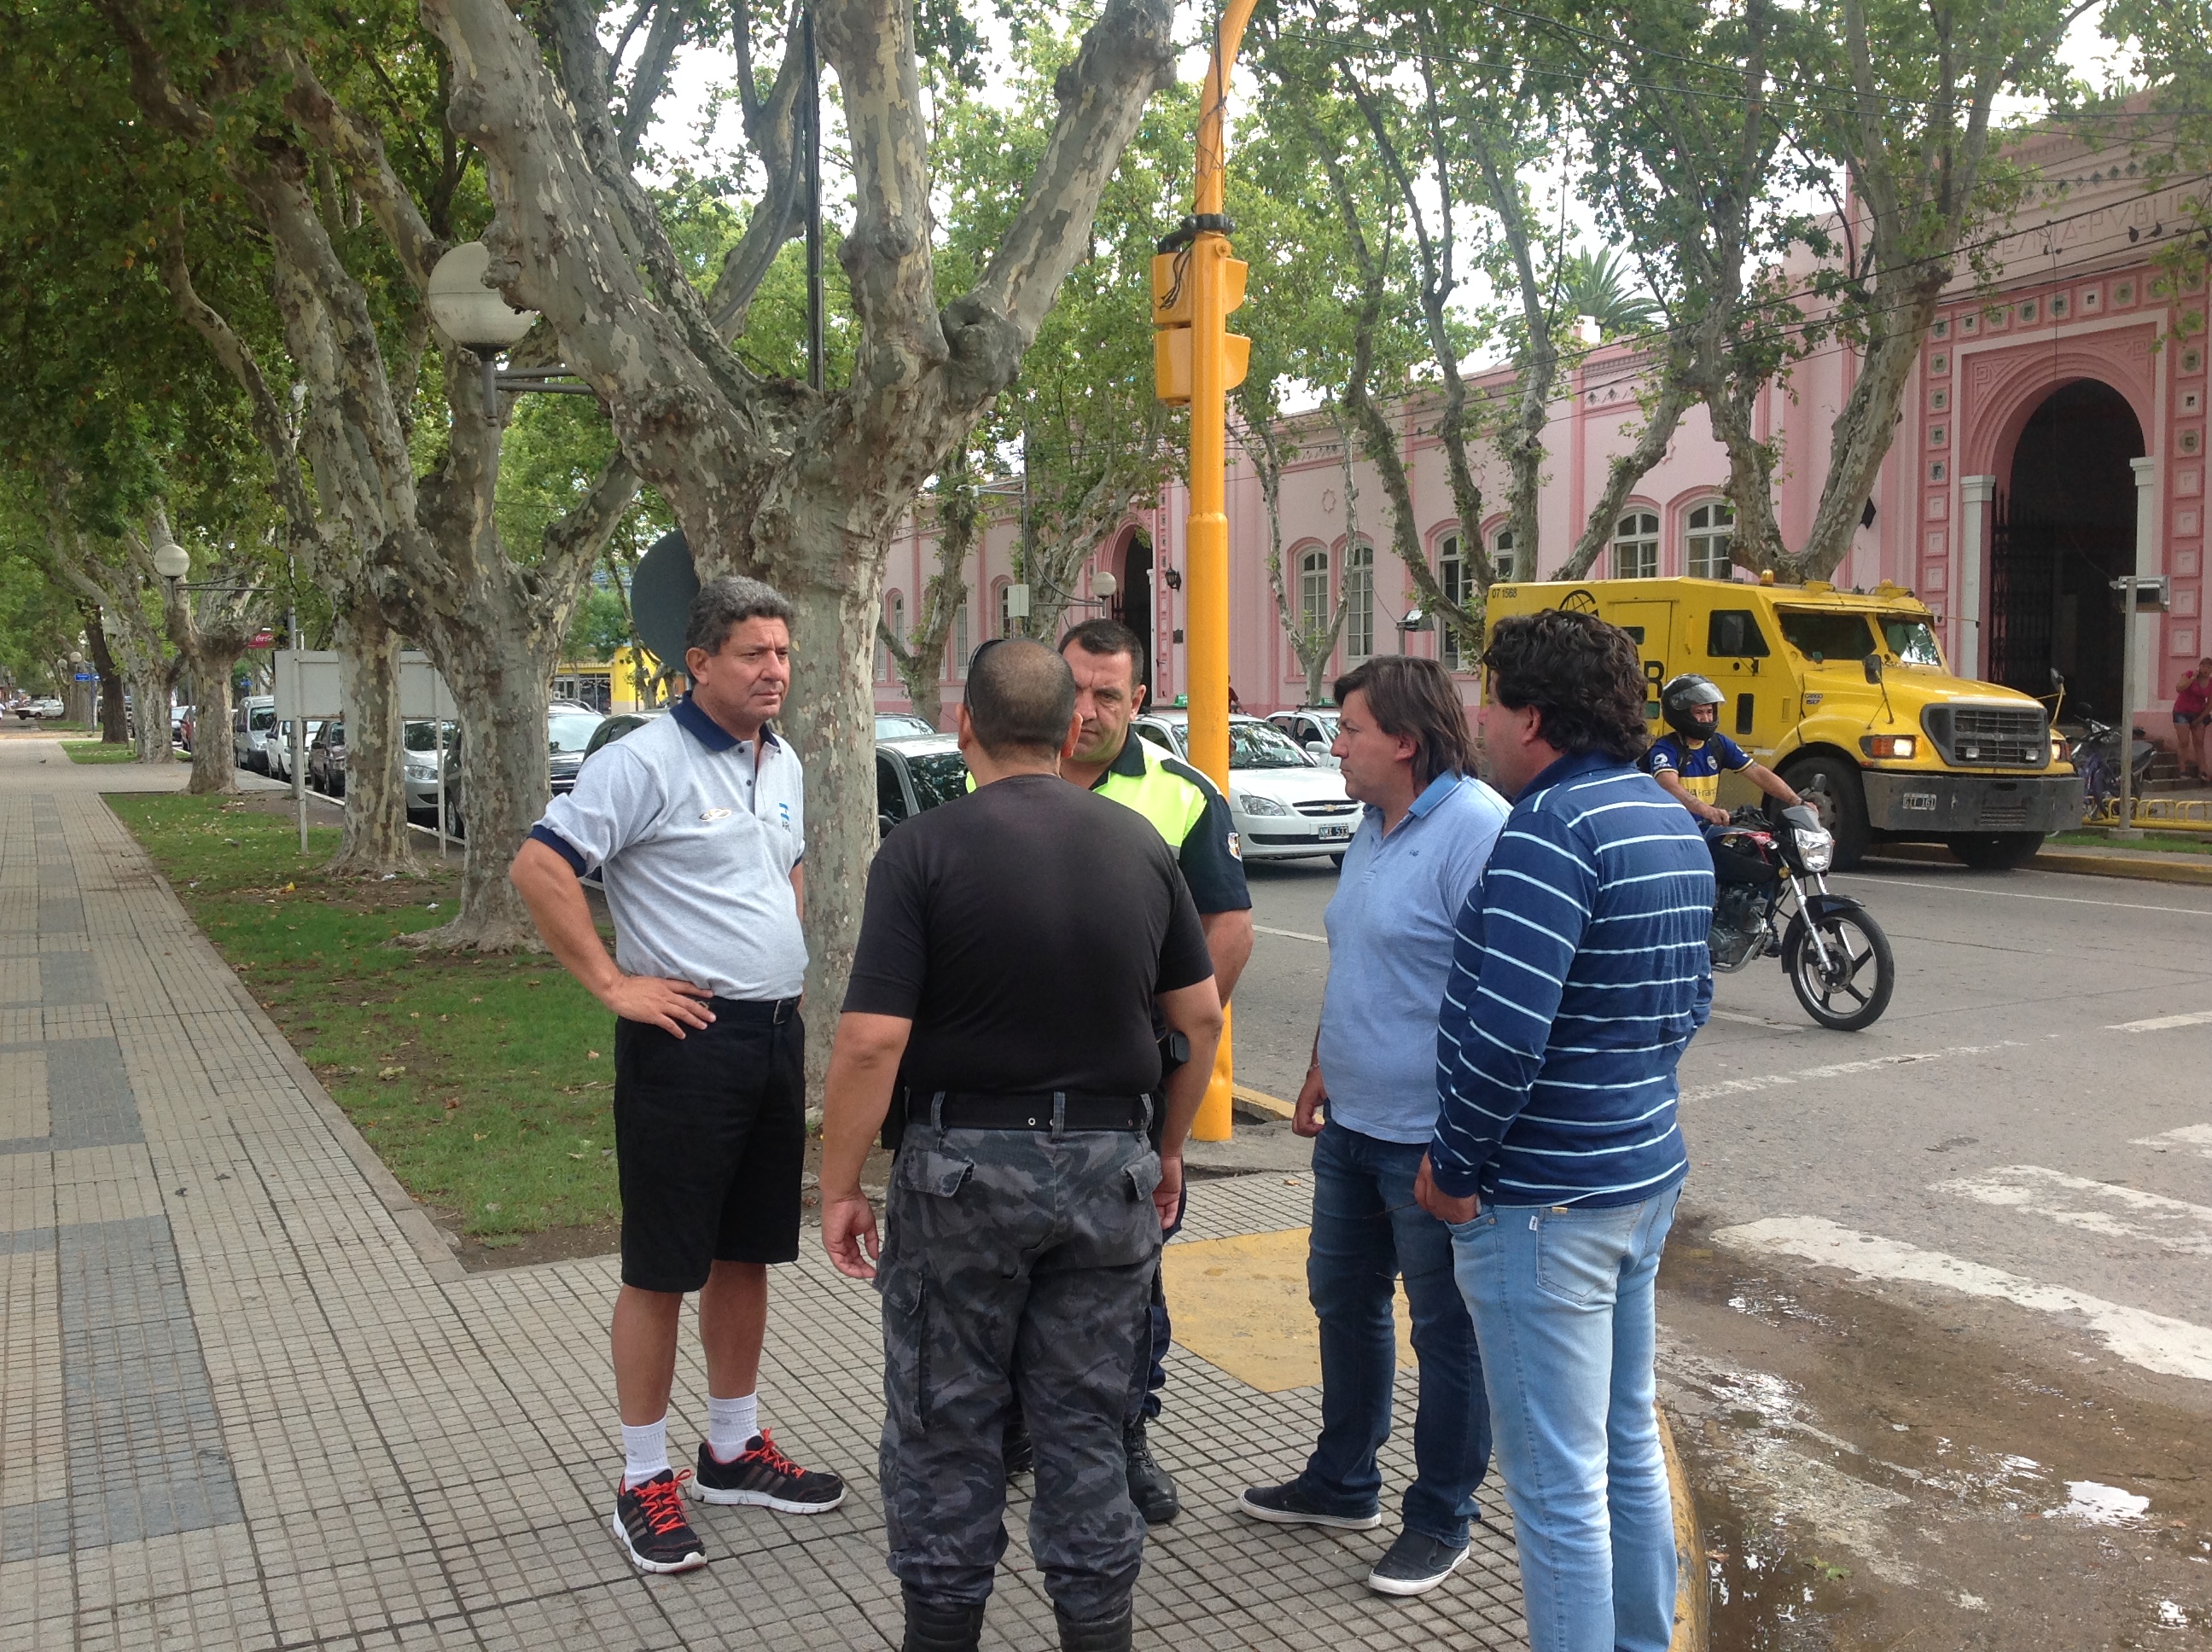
645, 1452
730, 1424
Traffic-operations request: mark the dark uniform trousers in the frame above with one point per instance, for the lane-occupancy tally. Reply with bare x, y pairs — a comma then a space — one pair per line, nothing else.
1014, 1258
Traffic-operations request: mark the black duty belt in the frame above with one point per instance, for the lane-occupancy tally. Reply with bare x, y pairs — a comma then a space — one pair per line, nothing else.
774, 1010
1055, 1111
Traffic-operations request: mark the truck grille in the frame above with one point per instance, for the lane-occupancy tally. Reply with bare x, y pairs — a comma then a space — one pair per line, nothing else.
1989, 737
1328, 806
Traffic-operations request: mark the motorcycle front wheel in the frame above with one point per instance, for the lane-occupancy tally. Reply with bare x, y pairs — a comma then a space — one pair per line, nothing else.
1852, 988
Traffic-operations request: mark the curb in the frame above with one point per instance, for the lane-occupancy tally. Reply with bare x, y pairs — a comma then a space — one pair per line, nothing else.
1692, 1604
1256, 1106
2082, 862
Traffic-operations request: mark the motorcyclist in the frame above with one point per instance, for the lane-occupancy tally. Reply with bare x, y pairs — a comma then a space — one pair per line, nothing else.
1687, 762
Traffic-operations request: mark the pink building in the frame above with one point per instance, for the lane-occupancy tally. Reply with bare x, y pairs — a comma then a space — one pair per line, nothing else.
2052, 439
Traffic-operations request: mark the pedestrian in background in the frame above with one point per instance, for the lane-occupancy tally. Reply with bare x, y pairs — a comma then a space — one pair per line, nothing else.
1579, 975
1402, 738
1014, 944
2192, 712
696, 825
1193, 819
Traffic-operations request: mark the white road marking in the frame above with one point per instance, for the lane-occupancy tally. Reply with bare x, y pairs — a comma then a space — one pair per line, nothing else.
2197, 1138
1837, 1070
2157, 1342
2152, 1219
2022, 895
2160, 1023
1290, 934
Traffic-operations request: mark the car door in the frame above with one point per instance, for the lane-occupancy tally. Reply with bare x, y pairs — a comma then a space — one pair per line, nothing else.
1651, 625
1739, 647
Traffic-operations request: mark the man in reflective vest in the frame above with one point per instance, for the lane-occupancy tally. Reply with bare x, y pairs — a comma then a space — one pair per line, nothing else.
1182, 805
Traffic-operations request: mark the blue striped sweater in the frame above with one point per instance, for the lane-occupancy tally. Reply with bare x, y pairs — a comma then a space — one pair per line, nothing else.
1577, 978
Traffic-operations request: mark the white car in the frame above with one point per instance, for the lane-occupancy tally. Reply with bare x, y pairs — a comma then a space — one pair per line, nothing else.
1284, 804
279, 747
1313, 730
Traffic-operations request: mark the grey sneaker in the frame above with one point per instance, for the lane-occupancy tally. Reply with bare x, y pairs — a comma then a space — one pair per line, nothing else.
1286, 1505
1415, 1565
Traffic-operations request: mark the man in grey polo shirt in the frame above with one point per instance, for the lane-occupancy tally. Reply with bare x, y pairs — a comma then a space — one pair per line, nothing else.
1423, 843
696, 825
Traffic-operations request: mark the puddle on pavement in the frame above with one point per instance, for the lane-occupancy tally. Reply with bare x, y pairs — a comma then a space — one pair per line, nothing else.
1871, 1473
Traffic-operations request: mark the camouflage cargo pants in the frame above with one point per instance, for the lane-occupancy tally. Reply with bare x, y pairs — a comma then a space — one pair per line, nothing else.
1014, 1252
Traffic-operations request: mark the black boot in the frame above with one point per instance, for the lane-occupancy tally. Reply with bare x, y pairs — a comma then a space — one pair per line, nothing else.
1150, 1487
1099, 1634
933, 1626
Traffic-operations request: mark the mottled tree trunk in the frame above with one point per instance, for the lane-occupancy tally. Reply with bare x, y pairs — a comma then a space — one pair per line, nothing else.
149, 705
114, 726
375, 838
215, 754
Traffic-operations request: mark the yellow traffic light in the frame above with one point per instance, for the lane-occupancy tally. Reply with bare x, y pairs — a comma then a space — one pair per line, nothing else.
1171, 292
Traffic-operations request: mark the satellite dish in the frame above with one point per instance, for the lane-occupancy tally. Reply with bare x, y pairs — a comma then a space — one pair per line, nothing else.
660, 594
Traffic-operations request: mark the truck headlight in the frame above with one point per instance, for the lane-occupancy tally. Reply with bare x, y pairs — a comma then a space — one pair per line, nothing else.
2060, 751
1816, 849
1249, 805
1899, 746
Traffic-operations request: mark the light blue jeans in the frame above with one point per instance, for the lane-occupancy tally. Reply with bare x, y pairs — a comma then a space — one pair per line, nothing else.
1562, 1301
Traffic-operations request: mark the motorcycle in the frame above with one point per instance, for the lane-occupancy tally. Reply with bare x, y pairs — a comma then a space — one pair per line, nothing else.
1773, 901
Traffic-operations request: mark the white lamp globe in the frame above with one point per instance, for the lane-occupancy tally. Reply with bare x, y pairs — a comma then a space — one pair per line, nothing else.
466, 311
1104, 584
172, 561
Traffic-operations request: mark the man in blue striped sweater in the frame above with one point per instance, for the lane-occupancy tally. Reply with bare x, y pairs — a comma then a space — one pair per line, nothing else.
1579, 975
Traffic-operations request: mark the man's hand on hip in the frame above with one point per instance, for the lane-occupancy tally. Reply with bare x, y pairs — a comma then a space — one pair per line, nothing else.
1167, 1197
1313, 1095
848, 1231
1438, 1202
671, 1005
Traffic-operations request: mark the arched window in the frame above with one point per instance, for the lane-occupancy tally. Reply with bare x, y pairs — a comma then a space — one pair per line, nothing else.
959, 636
1712, 535
1635, 547
894, 622
1503, 567
1358, 602
1451, 577
1313, 591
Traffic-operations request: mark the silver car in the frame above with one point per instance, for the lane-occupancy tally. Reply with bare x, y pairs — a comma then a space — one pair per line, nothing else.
1284, 804
418, 762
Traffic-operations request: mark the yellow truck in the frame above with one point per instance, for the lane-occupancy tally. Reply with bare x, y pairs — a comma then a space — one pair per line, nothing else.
1846, 695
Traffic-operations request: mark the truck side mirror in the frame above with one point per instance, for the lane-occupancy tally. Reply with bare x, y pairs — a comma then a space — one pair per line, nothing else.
2058, 678
1873, 664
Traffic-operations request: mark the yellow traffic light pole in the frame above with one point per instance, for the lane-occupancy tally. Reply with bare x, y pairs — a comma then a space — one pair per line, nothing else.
1194, 287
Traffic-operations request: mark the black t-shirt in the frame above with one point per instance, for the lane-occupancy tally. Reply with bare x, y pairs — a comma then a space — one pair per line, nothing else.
1025, 929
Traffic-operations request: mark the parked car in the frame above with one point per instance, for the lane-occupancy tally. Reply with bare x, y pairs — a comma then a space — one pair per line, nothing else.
1283, 803
280, 746
418, 761
897, 725
621, 723
180, 723
1312, 730
914, 773
569, 730
38, 710
326, 759
253, 724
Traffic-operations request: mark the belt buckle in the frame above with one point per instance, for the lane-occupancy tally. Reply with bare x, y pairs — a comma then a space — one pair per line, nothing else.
783, 1008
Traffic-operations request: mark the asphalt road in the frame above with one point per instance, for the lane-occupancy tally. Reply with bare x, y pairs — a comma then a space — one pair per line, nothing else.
1938, 1310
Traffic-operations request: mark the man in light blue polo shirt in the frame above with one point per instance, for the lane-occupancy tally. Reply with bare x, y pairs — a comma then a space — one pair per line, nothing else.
1426, 837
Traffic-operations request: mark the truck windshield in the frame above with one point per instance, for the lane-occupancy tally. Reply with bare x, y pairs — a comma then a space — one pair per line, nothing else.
1822, 635
1912, 639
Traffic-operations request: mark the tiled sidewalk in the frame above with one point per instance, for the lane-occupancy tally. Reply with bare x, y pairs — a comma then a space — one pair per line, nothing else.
250, 1401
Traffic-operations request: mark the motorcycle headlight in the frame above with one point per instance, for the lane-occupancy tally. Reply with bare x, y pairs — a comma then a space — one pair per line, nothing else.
1249, 805
1816, 849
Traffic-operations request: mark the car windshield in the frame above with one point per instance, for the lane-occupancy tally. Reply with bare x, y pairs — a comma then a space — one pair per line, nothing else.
264, 721
418, 737
1161, 735
1912, 639
1260, 745
1822, 636
897, 725
937, 776
569, 730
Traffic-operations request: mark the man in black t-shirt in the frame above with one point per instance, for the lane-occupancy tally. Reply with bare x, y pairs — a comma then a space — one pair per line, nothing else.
1012, 949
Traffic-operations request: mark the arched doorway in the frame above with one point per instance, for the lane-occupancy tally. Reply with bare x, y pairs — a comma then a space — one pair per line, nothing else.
2065, 530
1135, 598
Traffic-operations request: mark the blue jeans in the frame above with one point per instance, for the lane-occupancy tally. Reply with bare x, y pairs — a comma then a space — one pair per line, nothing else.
1562, 1300
1366, 1231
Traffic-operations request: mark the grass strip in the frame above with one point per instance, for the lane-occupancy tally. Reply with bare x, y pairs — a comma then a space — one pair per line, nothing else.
2186, 842
99, 751
485, 1084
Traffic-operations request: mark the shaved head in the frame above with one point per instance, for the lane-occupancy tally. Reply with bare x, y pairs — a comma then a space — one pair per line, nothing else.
1020, 699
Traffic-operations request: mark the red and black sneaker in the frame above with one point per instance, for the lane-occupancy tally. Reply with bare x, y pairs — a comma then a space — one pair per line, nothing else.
649, 1521
761, 1476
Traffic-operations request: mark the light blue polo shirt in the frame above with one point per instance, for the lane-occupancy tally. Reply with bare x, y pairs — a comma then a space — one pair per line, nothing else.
1390, 937
695, 833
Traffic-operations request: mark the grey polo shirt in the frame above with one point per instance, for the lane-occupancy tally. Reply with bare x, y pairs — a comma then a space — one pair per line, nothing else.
695, 835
